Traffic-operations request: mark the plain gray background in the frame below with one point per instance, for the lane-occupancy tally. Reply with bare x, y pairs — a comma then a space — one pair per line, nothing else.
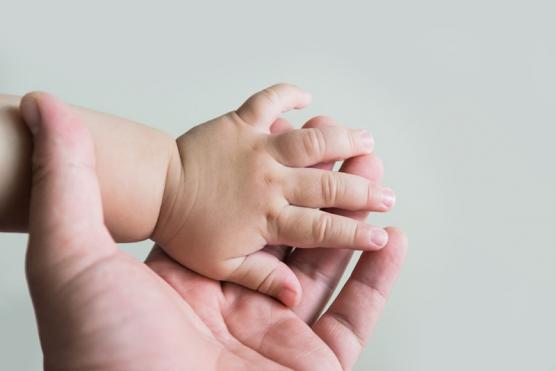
459, 96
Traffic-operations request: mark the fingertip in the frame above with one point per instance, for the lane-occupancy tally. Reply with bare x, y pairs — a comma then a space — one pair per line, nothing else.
288, 297
306, 97
364, 140
387, 198
397, 237
304, 101
290, 294
378, 238
396, 249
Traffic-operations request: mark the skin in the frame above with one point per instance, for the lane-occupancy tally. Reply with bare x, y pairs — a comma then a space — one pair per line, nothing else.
131, 207
99, 309
272, 191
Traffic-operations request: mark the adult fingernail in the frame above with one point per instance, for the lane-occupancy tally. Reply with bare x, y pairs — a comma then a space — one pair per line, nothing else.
388, 198
31, 114
366, 139
379, 237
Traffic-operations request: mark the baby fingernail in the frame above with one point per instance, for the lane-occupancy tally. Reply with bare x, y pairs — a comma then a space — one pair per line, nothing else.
379, 237
366, 140
388, 198
288, 296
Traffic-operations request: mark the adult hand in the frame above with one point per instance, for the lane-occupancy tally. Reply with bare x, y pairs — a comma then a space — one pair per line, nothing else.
98, 308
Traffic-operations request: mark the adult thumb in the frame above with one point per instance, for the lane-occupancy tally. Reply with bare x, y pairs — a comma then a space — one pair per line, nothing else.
65, 195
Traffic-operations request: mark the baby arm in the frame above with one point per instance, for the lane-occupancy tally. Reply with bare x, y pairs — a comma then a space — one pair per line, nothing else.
132, 162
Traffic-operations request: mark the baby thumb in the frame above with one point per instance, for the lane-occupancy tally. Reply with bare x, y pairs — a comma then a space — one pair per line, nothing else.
65, 195
263, 272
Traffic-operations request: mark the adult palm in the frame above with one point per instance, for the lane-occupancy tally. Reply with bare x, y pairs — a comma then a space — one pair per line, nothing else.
252, 331
98, 308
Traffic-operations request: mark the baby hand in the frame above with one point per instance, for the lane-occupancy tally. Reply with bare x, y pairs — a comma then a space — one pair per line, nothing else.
235, 188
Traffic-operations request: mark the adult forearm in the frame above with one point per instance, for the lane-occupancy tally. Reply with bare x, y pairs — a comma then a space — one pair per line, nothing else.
132, 162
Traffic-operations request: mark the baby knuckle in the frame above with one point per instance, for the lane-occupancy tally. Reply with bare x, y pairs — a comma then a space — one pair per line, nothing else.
329, 188
257, 147
273, 215
314, 143
269, 179
275, 181
267, 176
322, 225
276, 218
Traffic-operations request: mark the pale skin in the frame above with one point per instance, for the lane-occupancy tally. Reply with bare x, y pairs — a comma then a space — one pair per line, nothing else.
99, 309
215, 197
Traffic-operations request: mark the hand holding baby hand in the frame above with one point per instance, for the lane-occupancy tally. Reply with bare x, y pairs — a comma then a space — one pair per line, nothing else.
235, 188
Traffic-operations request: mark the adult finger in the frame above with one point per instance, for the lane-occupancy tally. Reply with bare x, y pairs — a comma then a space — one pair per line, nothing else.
65, 196
264, 107
310, 146
349, 321
280, 126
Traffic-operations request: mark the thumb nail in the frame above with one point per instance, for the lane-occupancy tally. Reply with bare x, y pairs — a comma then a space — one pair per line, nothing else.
31, 114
